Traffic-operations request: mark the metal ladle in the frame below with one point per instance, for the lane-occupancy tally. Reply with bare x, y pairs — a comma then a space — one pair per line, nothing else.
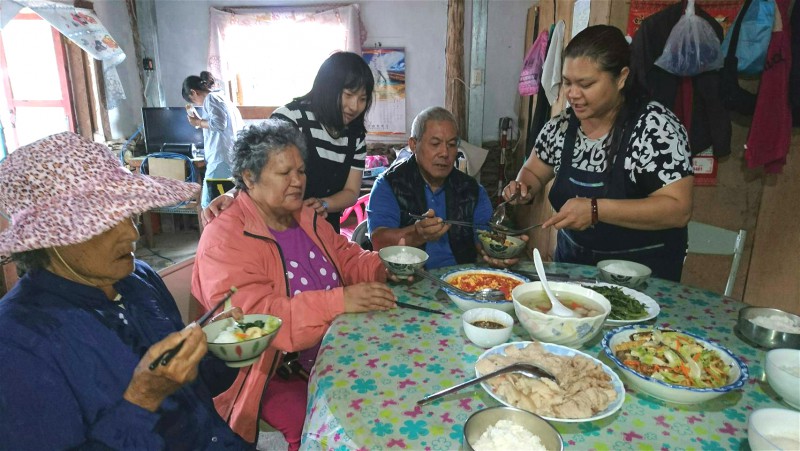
526, 369
484, 294
556, 307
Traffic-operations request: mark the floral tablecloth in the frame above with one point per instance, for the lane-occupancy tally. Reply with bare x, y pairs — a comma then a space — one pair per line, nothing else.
373, 368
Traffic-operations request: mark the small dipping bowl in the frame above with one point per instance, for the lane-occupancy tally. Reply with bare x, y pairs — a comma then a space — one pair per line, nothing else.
482, 336
482, 420
764, 336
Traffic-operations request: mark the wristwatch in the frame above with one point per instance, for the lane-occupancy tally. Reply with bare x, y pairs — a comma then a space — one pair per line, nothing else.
324, 204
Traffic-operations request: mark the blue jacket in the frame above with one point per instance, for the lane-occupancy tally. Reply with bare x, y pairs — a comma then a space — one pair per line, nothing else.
67, 354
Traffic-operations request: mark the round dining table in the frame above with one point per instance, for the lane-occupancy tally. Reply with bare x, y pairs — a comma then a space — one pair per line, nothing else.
373, 368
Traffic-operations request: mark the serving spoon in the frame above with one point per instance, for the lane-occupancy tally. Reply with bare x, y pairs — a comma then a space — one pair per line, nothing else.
526, 369
484, 294
556, 307
509, 231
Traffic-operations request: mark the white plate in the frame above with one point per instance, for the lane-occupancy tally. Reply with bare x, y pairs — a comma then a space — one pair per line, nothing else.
650, 304
563, 351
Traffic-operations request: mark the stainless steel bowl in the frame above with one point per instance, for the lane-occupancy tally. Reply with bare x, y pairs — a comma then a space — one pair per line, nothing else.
763, 336
481, 420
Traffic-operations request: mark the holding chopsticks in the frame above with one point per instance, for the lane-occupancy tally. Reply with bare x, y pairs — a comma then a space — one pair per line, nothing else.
165, 357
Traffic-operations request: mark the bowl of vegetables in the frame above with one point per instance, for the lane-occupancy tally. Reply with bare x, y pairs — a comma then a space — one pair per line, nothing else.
240, 343
674, 366
499, 245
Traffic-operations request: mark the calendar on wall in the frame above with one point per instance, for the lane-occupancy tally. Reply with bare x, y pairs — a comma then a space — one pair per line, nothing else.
387, 117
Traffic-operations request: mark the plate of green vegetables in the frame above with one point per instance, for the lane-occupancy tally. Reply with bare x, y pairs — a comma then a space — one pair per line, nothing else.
628, 306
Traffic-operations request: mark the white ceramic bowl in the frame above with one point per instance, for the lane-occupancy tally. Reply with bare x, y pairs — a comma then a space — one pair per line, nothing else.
664, 391
468, 303
571, 332
393, 255
486, 338
783, 374
773, 429
243, 353
480, 421
623, 272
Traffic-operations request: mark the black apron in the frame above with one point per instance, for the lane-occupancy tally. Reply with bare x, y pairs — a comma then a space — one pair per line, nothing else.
663, 251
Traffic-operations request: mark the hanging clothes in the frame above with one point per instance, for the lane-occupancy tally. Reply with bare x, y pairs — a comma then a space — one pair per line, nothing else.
771, 129
709, 124
551, 72
794, 75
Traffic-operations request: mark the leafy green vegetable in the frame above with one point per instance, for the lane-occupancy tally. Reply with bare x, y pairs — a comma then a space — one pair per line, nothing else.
244, 326
623, 307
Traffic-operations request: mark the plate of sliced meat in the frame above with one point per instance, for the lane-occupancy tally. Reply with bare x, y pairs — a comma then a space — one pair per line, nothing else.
586, 389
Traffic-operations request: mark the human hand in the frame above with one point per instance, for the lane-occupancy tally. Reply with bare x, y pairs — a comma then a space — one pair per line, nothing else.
236, 313
501, 262
195, 121
216, 207
148, 388
576, 214
523, 190
316, 204
368, 296
431, 228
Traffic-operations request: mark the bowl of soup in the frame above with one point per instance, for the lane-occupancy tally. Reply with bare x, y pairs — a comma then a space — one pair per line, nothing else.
532, 305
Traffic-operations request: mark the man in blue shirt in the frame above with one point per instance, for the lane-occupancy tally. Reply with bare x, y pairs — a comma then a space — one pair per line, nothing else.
426, 183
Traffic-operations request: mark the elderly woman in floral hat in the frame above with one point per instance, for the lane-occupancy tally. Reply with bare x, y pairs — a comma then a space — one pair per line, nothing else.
80, 328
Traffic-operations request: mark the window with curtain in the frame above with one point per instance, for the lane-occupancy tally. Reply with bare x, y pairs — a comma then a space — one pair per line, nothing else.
267, 56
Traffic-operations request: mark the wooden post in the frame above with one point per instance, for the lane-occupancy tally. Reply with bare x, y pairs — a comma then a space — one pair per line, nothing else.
455, 89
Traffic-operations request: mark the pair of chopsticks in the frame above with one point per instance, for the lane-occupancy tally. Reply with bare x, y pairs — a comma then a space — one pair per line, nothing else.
417, 307
167, 355
448, 221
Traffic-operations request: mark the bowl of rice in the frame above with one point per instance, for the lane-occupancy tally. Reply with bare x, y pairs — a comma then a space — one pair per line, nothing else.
403, 260
503, 428
782, 367
769, 328
240, 343
623, 272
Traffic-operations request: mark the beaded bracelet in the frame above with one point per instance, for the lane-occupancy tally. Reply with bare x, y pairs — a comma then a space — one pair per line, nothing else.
595, 218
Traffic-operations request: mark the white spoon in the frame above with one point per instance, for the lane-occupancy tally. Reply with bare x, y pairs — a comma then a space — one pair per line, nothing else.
556, 307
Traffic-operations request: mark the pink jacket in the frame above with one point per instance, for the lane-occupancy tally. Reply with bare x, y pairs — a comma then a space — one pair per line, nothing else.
237, 249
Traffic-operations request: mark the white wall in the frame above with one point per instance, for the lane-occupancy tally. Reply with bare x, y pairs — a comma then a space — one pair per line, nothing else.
418, 25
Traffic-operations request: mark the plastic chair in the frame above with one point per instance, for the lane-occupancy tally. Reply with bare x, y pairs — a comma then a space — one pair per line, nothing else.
360, 208
708, 239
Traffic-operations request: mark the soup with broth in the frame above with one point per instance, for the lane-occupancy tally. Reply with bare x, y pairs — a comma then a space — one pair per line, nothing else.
582, 306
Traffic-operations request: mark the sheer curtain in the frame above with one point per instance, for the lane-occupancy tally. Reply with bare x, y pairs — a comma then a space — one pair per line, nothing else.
285, 35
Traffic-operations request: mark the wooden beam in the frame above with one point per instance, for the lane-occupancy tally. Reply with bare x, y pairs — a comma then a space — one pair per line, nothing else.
456, 90
480, 17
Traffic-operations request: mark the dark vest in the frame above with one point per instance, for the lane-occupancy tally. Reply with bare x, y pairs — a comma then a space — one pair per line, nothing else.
461, 197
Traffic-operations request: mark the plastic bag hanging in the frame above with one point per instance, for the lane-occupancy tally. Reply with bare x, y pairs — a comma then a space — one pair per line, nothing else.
692, 46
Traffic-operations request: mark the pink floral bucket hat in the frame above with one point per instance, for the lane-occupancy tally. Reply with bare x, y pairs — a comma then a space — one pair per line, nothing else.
65, 189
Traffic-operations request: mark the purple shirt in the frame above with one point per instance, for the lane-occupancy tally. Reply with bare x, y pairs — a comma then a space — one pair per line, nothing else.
308, 270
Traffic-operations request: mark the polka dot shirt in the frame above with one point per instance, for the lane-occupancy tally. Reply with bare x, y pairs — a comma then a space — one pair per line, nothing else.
307, 267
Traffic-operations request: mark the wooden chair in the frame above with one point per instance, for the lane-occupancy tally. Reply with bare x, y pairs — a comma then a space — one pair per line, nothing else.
708, 239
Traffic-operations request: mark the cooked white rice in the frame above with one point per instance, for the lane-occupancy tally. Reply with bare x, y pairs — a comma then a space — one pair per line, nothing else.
777, 322
404, 258
620, 269
506, 435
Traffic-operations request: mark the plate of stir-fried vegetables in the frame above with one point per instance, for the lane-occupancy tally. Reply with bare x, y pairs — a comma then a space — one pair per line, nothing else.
628, 306
672, 365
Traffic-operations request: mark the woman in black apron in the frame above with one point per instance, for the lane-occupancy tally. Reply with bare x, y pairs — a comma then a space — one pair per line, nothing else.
622, 168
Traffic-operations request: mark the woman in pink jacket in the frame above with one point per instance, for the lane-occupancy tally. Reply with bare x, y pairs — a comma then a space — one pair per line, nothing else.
285, 261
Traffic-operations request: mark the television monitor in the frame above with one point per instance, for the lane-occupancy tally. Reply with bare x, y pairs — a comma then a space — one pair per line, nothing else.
169, 126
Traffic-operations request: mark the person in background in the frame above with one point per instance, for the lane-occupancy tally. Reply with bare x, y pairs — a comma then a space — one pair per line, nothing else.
331, 117
428, 183
79, 330
288, 262
220, 122
622, 168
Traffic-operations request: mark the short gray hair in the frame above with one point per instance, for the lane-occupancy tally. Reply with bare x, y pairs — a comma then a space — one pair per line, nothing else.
257, 143
434, 113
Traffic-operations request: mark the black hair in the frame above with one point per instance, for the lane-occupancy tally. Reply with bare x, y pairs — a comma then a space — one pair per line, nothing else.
606, 46
203, 83
257, 143
342, 70
30, 260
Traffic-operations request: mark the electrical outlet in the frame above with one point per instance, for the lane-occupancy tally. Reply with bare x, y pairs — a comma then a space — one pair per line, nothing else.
477, 77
